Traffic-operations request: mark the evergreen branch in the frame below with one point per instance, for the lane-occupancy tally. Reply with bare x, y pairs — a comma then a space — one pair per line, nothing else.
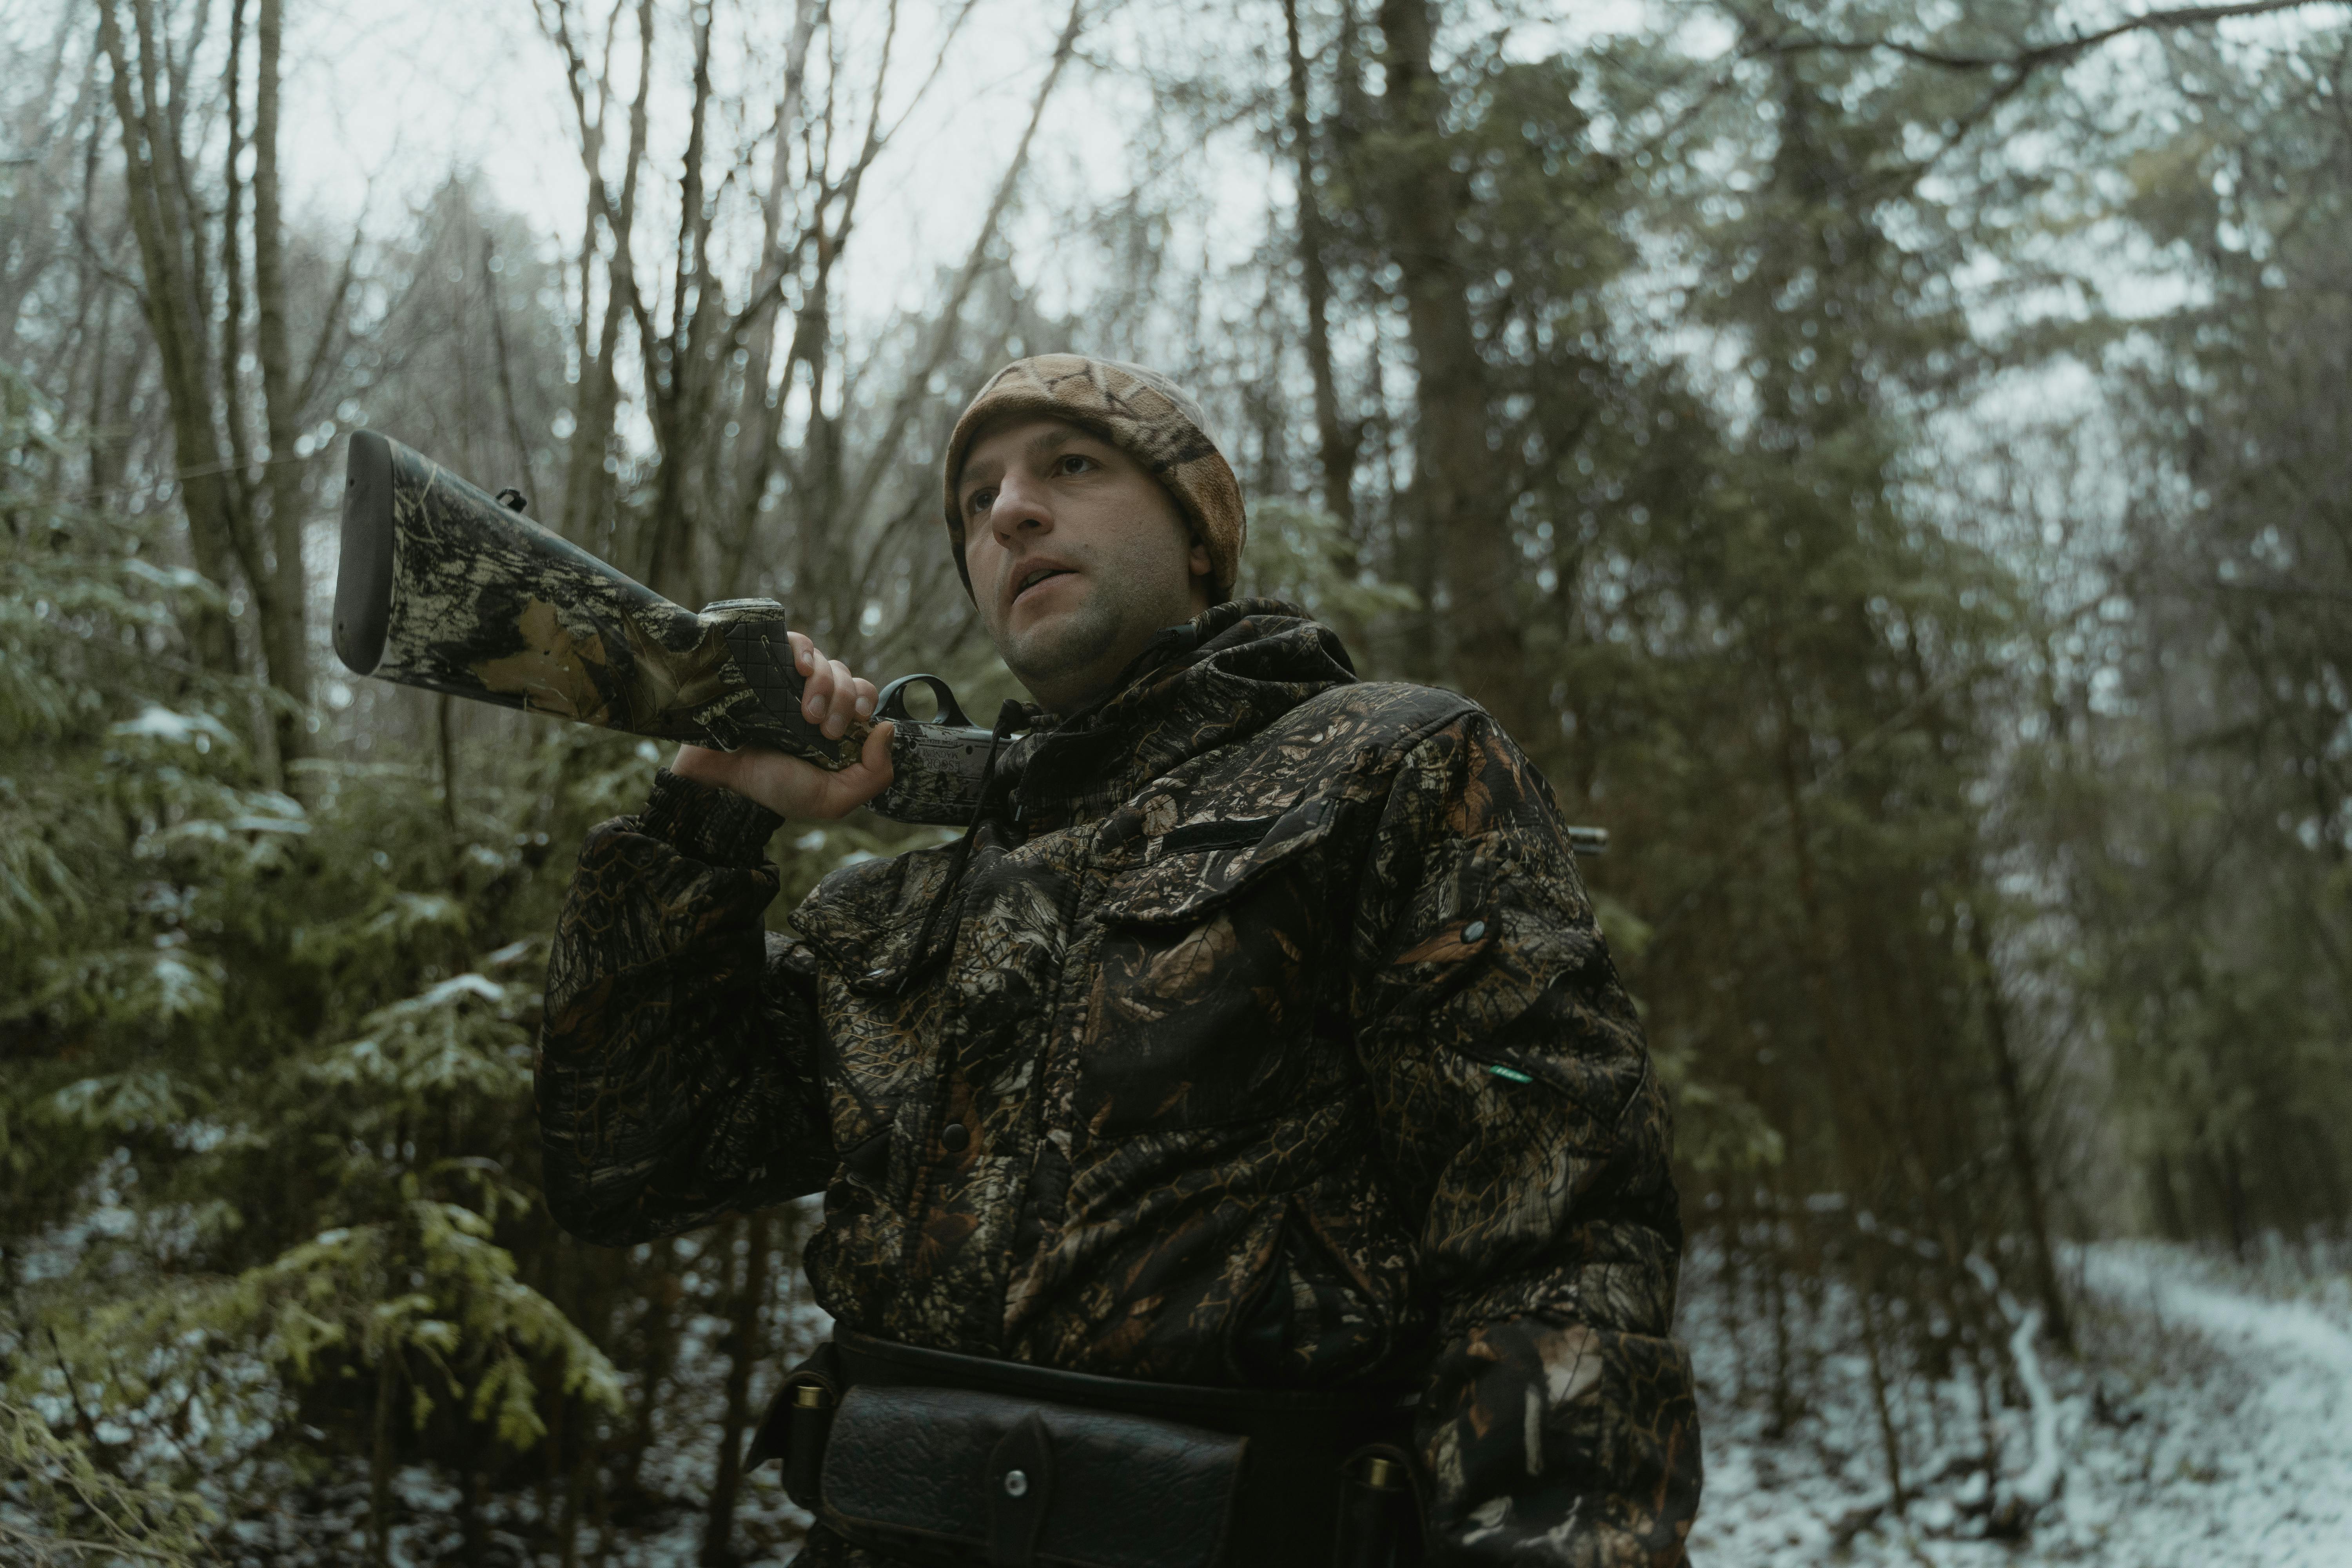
1892, 725
39, 1547
147, 1522
83, 1422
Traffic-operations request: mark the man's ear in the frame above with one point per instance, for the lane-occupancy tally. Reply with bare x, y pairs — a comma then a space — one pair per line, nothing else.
1199, 563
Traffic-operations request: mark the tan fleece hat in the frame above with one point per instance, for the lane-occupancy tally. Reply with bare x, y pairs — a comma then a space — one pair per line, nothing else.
1141, 412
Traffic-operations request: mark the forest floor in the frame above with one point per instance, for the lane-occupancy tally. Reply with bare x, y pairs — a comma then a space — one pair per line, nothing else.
2207, 1422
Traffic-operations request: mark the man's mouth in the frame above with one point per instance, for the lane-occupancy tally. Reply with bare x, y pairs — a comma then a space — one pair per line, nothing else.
1033, 576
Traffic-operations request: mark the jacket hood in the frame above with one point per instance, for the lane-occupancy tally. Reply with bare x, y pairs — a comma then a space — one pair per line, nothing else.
1215, 681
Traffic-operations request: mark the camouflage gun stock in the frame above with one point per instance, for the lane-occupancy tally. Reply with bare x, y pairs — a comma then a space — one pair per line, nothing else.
444, 587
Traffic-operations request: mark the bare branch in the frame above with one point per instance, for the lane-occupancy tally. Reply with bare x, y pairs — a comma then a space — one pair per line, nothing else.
330, 327
2029, 58
944, 330
618, 213
878, 137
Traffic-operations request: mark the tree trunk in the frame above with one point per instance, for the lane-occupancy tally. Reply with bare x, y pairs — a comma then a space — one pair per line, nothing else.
445, 738
1335, 443
1776, 1281
175, 317
2024, 1164
663, 1295
2171, 1223
281, 591
577, 1476
679, 381
1881, 1394
232, 289
2231, 1180
473, 1530
379, 1525
583, 456
588, 488
761, 414
1456, 491
744, 1353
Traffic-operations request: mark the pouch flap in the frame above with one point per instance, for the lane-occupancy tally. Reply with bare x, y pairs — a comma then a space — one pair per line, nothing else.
930, 1467
1192, 866
866, 918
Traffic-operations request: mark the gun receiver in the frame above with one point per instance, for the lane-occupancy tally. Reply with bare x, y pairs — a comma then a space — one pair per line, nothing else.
444, 587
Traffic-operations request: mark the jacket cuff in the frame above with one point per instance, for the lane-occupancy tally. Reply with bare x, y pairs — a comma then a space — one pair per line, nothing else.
706, 823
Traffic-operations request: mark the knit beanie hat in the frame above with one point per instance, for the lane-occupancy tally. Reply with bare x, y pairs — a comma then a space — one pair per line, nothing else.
1141, 412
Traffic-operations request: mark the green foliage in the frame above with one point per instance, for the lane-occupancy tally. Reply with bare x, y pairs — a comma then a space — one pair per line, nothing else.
2190, 791
1302, 554
68, 1510
265, 1062
1919, 866
1716, 307
425, 1289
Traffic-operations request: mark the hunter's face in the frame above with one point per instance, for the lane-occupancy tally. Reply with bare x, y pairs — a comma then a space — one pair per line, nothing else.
1077, 555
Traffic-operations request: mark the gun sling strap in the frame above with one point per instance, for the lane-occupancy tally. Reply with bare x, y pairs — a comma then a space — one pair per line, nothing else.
927, 1455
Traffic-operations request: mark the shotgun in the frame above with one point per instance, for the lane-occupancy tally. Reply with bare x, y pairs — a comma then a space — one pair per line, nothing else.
444, 587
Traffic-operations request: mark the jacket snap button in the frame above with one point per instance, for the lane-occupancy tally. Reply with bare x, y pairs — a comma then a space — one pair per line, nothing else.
1016, 1483
1474, 930
952, 1138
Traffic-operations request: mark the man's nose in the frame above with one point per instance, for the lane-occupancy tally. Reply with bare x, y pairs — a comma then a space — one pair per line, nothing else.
1021, 504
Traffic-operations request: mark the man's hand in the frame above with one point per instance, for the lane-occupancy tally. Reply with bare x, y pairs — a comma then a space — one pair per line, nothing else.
831, 698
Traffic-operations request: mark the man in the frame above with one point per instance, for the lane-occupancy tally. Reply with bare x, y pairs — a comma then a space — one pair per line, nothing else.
1258, 1038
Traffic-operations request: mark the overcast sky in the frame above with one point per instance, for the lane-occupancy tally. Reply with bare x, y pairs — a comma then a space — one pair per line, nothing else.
385, 96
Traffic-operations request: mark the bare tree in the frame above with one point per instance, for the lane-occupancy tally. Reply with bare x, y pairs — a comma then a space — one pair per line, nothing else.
744, 389
175, 298
245, 507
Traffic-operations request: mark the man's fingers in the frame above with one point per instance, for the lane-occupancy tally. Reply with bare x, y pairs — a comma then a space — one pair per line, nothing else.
831, 697
840, 694
816, 697
798, 791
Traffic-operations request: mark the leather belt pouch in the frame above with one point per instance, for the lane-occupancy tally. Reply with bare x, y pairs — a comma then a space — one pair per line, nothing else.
955, 1475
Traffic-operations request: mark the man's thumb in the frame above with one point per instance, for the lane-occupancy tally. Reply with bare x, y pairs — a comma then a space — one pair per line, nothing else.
877, 755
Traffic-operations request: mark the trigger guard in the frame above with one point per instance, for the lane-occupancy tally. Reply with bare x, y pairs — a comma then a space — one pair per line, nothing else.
891, 702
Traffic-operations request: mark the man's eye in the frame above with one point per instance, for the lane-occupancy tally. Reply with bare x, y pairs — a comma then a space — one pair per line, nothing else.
1073, 463
981, 500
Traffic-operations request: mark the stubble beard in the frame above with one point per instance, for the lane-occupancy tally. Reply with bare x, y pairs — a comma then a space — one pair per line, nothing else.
1046, 657
1057, 657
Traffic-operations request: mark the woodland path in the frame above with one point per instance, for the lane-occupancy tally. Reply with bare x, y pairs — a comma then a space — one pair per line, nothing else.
2280, 1460
2208, 1425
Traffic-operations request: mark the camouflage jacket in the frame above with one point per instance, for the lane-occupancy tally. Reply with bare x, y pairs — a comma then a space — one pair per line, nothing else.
1267, 1039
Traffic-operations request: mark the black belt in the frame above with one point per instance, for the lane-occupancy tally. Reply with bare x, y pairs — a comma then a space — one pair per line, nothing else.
1322, 1476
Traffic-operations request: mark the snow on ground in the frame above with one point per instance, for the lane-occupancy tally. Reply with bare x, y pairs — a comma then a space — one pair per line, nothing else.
2207, 1425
